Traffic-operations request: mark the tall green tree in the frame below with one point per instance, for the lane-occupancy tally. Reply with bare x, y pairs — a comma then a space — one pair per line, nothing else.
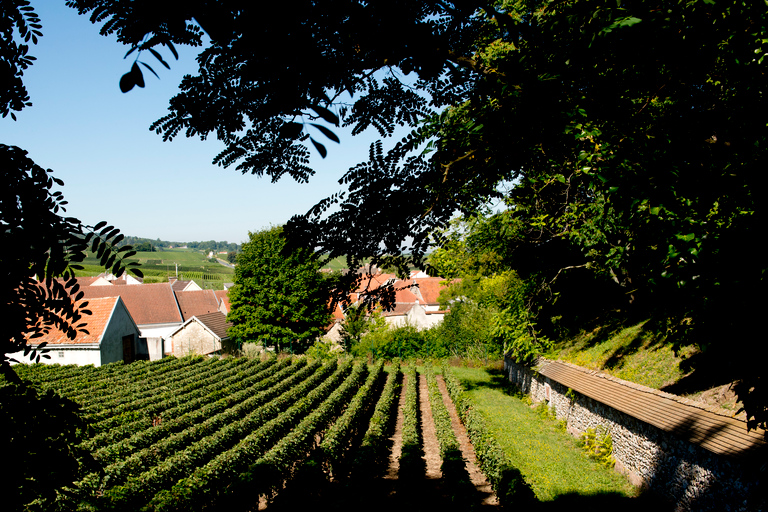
279, 298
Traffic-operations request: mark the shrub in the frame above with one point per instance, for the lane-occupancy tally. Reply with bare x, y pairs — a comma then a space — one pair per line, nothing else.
598, 444
252, 350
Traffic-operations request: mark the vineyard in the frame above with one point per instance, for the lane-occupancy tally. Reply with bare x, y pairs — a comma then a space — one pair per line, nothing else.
194, 433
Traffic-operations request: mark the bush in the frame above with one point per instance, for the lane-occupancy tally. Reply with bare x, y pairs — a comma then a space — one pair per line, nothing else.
252, 350
324, 350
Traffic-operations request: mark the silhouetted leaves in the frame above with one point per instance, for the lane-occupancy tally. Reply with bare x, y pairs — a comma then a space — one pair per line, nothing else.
328, 133
320, 148
326, 114
291, 130
47, 246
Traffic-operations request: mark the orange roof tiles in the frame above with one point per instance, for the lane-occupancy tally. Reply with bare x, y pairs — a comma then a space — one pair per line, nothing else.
223, 295
430, 288
96, 324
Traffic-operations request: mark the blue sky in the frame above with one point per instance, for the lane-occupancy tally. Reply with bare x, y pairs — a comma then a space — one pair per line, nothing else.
97, 140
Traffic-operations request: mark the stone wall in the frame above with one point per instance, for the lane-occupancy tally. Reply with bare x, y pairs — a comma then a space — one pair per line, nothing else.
194, 339
686, 474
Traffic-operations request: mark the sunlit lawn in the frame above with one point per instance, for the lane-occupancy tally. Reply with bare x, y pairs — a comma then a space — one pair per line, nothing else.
549, 458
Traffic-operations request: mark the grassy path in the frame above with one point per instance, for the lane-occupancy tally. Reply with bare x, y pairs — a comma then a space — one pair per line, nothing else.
548, 458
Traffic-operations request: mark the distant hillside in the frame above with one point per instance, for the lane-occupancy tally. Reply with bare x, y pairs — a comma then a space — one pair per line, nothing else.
162, 245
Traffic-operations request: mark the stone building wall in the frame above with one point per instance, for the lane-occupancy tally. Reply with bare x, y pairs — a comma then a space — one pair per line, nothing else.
194, 339
686, 474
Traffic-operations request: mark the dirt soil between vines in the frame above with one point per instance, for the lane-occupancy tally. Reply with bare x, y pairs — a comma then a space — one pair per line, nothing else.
390, 493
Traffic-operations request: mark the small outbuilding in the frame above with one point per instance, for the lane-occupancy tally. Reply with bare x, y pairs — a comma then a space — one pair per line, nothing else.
202, 334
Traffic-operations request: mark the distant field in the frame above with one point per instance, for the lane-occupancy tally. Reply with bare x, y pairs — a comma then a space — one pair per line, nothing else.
158, 266
340, 262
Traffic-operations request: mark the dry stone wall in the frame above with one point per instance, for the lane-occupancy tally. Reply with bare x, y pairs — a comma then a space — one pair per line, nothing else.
686, 474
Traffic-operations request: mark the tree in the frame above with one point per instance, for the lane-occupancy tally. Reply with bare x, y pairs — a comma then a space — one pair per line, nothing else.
40, 245
279, 298
232, 257
357, 321
633, 133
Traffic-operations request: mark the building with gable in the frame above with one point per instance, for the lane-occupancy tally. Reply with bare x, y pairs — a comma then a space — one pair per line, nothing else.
416, 301
152, 306
204, 334
112, 336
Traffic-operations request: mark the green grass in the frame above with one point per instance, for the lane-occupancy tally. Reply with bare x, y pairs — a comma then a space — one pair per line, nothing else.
631, 353
549, 458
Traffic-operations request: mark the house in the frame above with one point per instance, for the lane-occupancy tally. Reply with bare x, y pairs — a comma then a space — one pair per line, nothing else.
153, 307
126, 278
416, 301
112, 336
179, 285
204, 334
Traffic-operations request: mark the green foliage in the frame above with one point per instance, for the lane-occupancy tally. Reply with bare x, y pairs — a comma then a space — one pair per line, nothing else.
278, 299
45, 246
598, 444
357, 321
337, 440
466, 331
411, 462
324, 350
507, 481
372, 457
548, 459
628, 140
383, 341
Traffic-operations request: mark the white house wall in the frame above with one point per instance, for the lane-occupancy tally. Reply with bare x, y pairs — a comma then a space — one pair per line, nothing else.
155, 334
193, 339
81, 354
416, 317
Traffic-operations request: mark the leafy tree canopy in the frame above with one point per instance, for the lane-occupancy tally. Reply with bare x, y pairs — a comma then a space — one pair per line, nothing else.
39, 243
633, 132
280, 298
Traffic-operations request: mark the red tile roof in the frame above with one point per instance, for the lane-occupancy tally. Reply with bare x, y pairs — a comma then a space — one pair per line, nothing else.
216, 322
197, 302
430, 288
147, 303
96, 324
178, 286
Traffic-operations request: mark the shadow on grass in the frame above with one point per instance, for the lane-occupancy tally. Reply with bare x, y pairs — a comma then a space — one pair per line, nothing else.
601, 502
499, 382
709, 371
